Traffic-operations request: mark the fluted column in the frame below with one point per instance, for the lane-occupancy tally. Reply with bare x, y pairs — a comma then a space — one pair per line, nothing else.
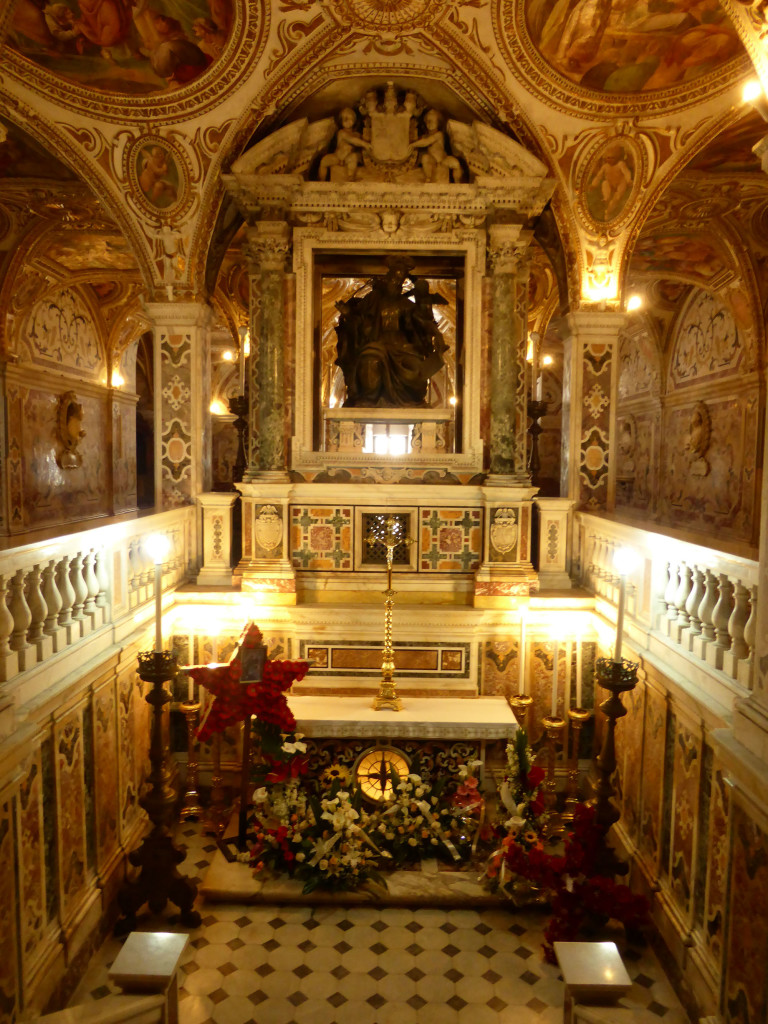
590, 370
268, 248
510, 267
182, 400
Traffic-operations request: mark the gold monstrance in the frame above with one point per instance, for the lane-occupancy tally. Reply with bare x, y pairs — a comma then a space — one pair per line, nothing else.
390, 532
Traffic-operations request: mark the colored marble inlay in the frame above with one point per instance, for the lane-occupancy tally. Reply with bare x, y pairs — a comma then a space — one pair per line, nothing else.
653, 774
717, 853
105, 757
69, 771
595, 444
499, 668
321, 538
32, 885
418, 660
318, 655
8, 954
745, 987
451, 540
686, 782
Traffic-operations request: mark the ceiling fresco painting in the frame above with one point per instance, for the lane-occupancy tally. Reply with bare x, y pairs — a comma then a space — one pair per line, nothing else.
22, 157
692, 255
622, 46
88, 250
123, 46
732, 150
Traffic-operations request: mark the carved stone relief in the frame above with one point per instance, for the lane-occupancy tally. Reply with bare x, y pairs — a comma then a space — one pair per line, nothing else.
60, 331
707, 342
70, 421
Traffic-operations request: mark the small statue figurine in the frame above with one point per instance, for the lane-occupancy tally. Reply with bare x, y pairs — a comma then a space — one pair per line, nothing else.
342, 163
436, 164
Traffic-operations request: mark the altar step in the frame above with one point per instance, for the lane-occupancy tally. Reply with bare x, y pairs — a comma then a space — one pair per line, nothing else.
428, 885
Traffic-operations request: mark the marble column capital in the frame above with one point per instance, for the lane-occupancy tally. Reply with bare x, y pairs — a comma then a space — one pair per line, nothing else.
603, 324
268, 245
508, 251
178, 314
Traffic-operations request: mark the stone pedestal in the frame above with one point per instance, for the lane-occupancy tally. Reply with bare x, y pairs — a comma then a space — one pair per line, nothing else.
216, 507
554, 543
266, 566
506, 570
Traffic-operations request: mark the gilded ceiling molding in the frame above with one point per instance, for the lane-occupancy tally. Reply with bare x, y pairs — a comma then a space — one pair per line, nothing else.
543, 81
244, 49
750, 18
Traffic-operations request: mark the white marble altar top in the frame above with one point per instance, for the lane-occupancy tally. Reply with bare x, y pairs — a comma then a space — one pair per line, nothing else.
477, 718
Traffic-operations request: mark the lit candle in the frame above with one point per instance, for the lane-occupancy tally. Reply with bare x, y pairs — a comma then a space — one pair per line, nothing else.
241, 361
620, 616
534, 363
521, 657
190, 689
555, 656
578, 674
158, 607
568, 657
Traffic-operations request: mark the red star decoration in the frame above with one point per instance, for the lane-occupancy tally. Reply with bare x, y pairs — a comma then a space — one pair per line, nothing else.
234, 701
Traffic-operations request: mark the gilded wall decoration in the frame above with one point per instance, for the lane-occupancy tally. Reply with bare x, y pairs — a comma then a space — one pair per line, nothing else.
60, 332
158, 173
707, 342
123, 49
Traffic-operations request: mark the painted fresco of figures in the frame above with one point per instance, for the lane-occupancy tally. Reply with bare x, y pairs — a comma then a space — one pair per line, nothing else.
123, 46
389, 345
625, 46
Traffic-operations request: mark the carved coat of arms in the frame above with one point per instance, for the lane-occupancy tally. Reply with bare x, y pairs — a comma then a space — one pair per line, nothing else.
504, 530
268, 528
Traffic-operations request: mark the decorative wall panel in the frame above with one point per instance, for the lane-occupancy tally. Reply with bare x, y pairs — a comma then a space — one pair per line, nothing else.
707, 343
653, 775
176, 444
123, 457
68, 738
60, 334
32, 880
321, 537
687, 763
500, 668
9, 981
715, 898
597, 367
450, 539
106, 796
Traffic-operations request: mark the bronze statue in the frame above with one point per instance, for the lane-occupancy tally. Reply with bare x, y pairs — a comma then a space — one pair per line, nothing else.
389, 344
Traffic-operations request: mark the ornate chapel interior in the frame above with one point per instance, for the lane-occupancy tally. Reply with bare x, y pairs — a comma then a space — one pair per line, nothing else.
203, 205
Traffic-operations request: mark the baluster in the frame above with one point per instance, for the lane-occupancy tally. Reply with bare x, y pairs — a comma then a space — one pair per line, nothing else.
36, 603
9, 662
597, 565
750, 632
736, 624
705, 613
52, 602
133, 572
80, 589
102, 579
720, 617
92, 588
695, 598
669, 599
67, 597
21, 619
682, 594
662, 597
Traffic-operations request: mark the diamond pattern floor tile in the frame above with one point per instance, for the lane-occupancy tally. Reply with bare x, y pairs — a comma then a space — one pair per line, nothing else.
369, 965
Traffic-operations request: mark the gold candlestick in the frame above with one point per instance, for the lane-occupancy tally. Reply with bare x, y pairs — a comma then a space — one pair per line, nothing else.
219, 811
521, 705
577, 717
391, 534
554, 727
191, 807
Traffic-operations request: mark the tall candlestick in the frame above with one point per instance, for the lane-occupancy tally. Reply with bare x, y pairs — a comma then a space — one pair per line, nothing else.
241, 362
555, 656
158, 607
534, 362
578, 674
521, 657
620, 617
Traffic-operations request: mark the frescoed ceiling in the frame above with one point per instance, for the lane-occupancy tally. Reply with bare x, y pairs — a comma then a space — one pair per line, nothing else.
120, 116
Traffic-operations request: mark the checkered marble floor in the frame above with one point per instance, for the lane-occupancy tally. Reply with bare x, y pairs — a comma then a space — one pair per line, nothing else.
372, 965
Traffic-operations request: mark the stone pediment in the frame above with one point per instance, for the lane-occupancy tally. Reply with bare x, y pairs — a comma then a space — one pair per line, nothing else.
389, 151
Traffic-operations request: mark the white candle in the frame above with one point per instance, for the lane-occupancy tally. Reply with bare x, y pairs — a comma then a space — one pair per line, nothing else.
241, 386
158, 608
521, 657
555, 656
568, 657
534, 363
620, 617
190, 689
578, 674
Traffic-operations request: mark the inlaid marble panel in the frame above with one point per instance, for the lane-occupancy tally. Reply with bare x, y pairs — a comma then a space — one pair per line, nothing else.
321, 537
9, 982
450, 539
68, 739
686, 770
595, 444
717, 865
745, 998
629, 747
132, 746
106, 800
500, 668
32, 880
653, 774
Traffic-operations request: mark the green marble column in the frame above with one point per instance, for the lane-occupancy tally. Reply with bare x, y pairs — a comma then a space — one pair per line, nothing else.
509, 341
268, 248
